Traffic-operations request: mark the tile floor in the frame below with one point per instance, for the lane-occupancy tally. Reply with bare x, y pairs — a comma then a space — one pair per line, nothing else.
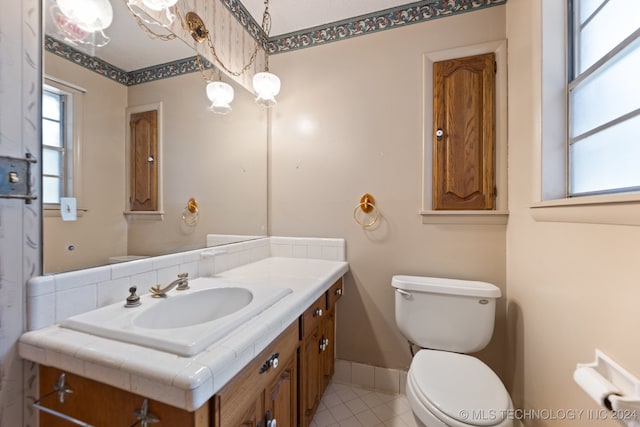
346, 405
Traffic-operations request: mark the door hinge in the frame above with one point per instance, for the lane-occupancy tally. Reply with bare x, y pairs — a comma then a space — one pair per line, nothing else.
495, 191
495, 67
15, 178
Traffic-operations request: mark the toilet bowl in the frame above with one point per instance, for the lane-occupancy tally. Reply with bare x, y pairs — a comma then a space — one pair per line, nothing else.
447, 318
455, 390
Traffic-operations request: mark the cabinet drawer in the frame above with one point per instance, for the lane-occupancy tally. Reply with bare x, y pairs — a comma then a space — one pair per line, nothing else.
334, 293
310, 319
241, 392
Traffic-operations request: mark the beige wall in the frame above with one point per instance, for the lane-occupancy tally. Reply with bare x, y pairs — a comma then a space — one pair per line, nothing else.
349, 121
219, 160
101, 231
571, 287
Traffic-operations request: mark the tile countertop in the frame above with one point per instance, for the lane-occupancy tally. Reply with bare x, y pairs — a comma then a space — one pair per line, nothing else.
188, 382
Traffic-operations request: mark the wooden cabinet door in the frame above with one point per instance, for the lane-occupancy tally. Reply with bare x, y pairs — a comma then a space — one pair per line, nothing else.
253, 417
463, 140
99, 404
281, 398
144, 153
310, 376
328, 349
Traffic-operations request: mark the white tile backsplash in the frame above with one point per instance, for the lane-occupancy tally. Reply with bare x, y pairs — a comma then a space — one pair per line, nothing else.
53, 298
75, 301
111, 291
44, 308
301, 247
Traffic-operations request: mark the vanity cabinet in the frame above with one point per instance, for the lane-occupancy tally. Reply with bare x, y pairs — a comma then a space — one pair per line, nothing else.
317, 351
265, 390
102, 405
282, 386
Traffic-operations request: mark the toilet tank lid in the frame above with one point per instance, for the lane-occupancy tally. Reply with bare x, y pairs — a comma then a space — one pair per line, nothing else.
446, 286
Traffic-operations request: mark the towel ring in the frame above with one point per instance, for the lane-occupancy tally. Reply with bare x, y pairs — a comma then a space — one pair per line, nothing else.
367, 204
191, 214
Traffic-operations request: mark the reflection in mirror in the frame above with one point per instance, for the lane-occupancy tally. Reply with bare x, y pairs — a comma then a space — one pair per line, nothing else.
220, 161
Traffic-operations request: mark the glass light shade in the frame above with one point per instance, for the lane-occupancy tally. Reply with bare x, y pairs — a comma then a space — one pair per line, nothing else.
153, 12
221, 95
159, 4
267, 86
89, 15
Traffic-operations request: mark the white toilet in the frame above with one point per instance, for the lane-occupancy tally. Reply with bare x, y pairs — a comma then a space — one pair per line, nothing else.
447, 318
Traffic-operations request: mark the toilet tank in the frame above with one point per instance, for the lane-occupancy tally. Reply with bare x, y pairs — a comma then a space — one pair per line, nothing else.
445, 314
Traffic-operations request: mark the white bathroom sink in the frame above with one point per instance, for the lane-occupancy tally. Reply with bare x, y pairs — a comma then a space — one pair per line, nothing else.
183, 323
194, 308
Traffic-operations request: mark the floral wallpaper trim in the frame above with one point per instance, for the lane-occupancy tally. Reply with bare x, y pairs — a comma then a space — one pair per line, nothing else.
384, 20
366, 24
130, 78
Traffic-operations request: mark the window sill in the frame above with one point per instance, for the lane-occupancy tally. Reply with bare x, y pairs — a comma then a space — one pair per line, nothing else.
497, 217
51, 212
145, 215
620, 209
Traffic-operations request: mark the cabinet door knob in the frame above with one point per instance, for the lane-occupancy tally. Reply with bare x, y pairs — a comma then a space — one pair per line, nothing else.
317, 312
338, 291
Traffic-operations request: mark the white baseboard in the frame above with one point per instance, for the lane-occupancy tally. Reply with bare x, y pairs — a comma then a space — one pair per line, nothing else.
371, 377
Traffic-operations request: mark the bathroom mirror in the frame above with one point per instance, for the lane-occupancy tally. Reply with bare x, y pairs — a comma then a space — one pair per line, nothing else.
220, 161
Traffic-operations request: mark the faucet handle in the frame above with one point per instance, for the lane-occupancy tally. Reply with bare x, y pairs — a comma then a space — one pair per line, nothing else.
133, 300
183, 285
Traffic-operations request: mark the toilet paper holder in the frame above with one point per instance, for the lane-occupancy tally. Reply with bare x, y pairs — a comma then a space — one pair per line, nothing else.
611, 386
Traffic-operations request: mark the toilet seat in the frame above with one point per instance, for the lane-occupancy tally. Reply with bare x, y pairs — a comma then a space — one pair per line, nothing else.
458, 389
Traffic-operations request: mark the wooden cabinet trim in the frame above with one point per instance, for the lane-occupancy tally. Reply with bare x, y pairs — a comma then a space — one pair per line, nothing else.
312, 316
231, 401
334, 293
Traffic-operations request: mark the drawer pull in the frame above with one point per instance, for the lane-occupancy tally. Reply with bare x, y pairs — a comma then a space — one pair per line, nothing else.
271, 362
317, 312
270, 422
324, 343
338, 291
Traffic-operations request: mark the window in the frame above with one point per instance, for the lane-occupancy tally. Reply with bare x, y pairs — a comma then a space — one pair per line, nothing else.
54, 146
61, 117
603, 97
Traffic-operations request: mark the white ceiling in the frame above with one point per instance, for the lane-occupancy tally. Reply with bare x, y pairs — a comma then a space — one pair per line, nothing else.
289, 16
128, 40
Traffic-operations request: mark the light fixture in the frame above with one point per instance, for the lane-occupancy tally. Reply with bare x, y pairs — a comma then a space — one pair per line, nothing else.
89, 15
153, 12
221, 95
82, 22
159, 4
267, 86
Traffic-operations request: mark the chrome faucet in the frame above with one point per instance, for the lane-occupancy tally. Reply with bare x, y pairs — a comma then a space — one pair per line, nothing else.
181, 282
